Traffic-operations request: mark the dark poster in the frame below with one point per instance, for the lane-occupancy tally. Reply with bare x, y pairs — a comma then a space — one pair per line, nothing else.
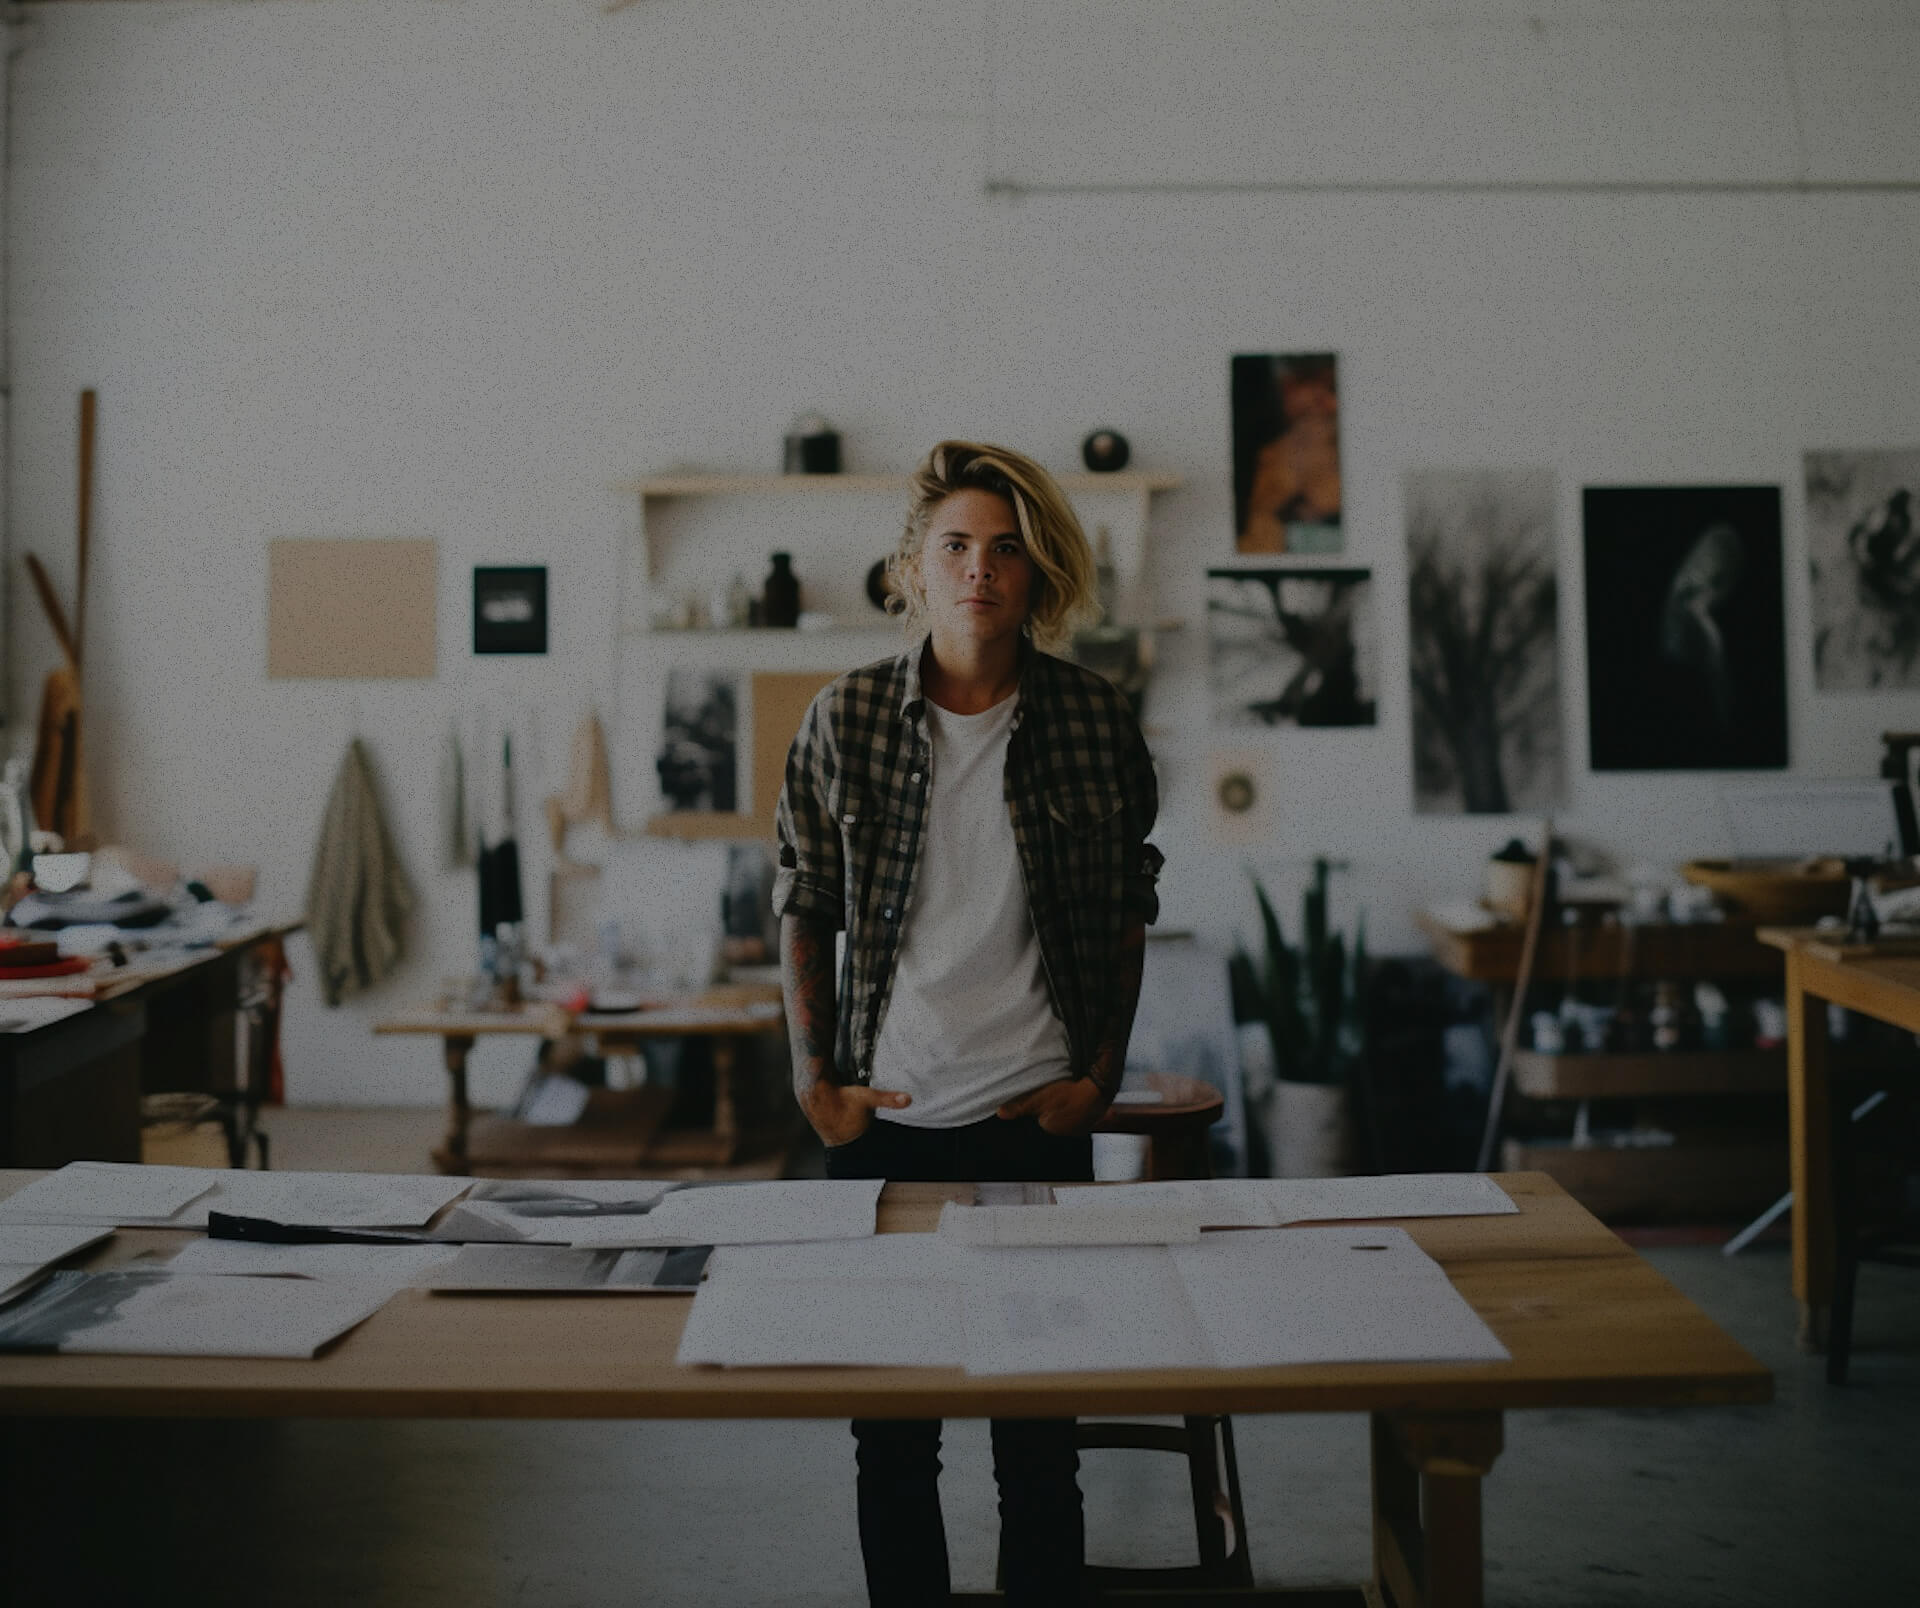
1686, 631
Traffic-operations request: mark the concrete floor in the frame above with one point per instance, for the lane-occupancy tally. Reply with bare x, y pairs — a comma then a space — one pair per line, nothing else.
1809, 1500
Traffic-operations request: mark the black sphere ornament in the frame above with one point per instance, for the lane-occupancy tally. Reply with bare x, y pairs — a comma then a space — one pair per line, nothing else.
1105, 451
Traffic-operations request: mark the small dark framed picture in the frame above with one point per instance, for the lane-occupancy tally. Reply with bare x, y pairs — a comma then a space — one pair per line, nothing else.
510, 609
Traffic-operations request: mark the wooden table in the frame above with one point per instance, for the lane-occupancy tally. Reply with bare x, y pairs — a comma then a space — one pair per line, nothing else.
1589, 1324
71, 1090
619, 1126
1819, 973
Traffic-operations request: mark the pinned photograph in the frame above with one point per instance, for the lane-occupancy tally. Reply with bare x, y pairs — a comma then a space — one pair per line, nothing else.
510, 609
1483, 652
1686, 628
1291, 647
698, 759
1863, 554
1286, 453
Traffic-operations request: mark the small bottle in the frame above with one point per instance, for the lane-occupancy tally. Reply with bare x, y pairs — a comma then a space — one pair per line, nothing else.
782, 593
1106, 579
739, 601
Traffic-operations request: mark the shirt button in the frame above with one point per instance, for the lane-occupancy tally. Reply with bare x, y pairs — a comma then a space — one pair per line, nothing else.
847, 820
915, 777
888, 912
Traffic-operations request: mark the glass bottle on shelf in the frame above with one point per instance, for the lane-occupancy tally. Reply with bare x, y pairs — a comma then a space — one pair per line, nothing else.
781, 605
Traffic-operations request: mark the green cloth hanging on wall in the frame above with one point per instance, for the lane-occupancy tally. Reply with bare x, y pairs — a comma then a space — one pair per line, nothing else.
358, 896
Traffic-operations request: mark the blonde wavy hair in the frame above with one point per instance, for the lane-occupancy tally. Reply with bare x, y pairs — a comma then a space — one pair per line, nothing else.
1064, 592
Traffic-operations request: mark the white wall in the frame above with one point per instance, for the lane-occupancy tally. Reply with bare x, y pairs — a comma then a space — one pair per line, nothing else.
454, 268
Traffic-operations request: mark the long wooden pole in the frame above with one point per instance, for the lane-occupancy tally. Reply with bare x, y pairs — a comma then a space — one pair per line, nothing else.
85, 523
1517, 1007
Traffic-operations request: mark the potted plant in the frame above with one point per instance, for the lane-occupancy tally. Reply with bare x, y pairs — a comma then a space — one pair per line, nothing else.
1310, 1001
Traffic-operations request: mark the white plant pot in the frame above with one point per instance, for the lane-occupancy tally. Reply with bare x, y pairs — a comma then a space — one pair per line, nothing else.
1307, 1130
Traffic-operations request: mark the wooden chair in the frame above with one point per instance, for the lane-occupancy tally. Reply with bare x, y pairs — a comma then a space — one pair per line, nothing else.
1175, 1127
1876, 1141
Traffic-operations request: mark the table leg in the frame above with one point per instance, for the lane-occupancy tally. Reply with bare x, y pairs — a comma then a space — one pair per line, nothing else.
726, 1122
1427, 1469
1808, 1103
459, 1113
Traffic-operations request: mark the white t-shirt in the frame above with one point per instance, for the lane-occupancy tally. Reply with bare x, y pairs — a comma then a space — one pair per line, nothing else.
968, 1026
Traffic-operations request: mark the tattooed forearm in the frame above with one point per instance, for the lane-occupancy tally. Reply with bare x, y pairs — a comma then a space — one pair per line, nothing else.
1110, 1059
806, 975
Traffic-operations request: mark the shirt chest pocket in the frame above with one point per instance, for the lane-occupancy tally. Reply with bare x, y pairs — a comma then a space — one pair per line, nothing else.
1088, 821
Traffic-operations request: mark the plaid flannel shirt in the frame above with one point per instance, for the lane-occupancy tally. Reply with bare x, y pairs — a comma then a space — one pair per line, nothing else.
853, 813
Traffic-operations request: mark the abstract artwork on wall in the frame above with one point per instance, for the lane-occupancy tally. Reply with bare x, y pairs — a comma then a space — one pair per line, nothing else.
1483, 649
698, 760
1686, 630
1286, 453
1863, 553
1290, 647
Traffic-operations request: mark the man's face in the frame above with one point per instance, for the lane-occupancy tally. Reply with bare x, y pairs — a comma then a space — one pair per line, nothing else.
975, 569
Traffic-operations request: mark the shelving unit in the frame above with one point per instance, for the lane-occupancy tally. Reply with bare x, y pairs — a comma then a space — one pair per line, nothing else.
1727, 1157
1138, 485
841, 644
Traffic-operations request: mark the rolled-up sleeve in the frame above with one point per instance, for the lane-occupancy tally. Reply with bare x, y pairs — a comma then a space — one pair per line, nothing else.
1140, 896
809, 878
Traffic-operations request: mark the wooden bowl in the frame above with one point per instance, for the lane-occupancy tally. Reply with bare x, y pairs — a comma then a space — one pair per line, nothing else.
1792, 893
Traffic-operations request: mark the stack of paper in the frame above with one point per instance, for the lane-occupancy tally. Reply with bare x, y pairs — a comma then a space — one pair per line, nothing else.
627, 1215
28, 1249
1324, 1295
1275, 1202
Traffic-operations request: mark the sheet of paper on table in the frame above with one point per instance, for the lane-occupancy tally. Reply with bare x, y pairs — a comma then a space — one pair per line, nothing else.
28, 1249
397, 1266
1328, 1295
560, 1269
1092, 1225
606, 1215
1243, 1300
1274, 1202
323, 1200
108, 1192
152, 1312
128, 1195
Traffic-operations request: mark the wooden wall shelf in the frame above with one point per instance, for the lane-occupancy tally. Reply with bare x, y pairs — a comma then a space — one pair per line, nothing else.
1138, 484
1132, 482
1608, 1077
1689, 952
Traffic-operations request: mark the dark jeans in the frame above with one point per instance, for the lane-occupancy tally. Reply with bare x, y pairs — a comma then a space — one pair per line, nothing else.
902, 1538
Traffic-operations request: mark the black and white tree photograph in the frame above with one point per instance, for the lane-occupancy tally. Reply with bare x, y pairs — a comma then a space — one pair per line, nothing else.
1863, 557
1686, 628
1291, 647
1483, 649
698, 759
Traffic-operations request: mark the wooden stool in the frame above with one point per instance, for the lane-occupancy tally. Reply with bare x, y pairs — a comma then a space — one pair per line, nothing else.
1176, 1127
